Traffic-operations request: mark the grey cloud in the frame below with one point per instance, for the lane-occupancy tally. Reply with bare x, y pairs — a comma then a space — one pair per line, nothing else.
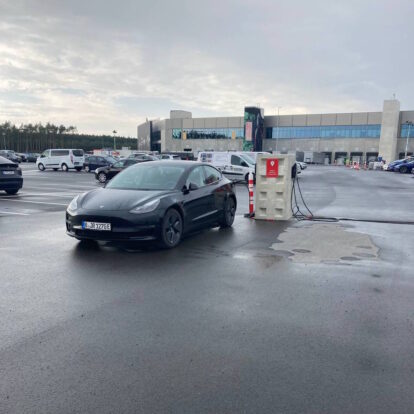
129, 60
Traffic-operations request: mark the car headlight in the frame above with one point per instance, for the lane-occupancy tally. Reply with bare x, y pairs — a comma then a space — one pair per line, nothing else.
73, 206
147, 207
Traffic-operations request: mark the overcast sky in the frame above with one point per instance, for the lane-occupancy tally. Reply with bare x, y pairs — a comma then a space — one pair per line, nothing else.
104, 65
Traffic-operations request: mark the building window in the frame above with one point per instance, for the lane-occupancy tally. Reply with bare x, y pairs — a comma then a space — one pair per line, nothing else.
404, 131
209, 133
176, 133
334, 131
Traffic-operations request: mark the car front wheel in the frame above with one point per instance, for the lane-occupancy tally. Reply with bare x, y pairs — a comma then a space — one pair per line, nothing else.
403, 170
87, 168
41, 167
172, 229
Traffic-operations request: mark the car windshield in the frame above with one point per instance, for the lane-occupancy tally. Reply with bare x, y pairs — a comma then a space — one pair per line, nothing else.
248, 159
148, 177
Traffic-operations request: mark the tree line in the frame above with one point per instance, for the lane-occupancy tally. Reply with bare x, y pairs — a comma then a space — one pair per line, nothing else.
38, 137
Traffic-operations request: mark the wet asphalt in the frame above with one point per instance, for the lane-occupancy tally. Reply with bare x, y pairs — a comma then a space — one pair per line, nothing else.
226, 322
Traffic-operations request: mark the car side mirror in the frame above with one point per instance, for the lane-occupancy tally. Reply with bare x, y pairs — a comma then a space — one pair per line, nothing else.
185, 190
42, 156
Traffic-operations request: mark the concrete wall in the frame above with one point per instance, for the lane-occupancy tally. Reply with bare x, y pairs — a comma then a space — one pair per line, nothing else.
349, 145
197, 145
401, 143
388, 145
360, 118
144, 138
389, 130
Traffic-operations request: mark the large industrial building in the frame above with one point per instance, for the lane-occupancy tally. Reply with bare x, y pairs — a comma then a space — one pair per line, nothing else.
341, 136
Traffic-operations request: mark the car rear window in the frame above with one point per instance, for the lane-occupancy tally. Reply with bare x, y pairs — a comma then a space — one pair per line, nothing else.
78, 153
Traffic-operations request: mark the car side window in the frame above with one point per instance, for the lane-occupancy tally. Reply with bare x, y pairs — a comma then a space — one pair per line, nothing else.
196, 178
92, 160
119, 164
212, 175
235, 160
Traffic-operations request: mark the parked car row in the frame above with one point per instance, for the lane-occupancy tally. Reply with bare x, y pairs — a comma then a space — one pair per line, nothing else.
403, 166
18, 156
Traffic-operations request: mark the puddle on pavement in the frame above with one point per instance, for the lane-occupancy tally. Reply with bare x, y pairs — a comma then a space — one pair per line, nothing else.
325, 243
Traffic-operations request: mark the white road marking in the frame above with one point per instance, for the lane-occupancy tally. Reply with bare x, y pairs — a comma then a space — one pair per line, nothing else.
34, 202
14, 213
62, 187
58, 195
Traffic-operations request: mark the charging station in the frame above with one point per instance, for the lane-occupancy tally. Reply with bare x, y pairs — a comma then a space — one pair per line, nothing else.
274, 186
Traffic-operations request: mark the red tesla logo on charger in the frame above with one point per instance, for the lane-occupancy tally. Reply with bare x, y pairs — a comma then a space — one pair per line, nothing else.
272, 167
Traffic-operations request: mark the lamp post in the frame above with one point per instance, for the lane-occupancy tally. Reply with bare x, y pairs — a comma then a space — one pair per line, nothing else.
114, 132
277, 129
4, 139
409, 123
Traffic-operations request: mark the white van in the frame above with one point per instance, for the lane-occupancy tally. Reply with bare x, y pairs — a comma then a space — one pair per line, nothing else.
64, 159
234, 165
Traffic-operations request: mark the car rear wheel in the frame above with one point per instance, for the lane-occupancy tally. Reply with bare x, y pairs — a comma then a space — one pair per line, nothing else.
41, 167
87, 168
12, 192
172, 229
403, 169
229, 213
102, 177
65, 167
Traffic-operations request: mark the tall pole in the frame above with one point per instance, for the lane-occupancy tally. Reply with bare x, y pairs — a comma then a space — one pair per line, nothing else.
408, 135
114, 132
277, 129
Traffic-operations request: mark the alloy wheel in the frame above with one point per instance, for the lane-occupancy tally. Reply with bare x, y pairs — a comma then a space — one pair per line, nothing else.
172, 228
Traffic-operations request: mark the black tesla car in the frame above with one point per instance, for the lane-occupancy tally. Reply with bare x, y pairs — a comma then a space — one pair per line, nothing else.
11, 180
159, 200
104, 174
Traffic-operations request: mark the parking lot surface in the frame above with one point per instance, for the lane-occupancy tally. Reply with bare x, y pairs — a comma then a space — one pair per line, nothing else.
287, 317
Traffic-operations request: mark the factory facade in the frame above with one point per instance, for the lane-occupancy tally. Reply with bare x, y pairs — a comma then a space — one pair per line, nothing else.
340, 136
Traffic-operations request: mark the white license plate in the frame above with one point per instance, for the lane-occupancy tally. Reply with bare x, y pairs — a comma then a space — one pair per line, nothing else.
8, 172
91, 225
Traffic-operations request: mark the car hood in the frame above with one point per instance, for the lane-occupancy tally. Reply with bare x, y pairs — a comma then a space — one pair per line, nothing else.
103, 199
